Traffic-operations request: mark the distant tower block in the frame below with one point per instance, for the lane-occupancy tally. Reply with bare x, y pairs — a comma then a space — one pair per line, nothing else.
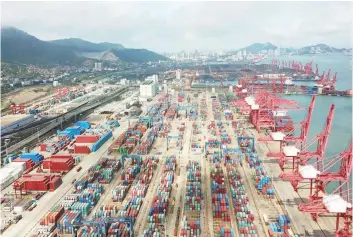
178, 74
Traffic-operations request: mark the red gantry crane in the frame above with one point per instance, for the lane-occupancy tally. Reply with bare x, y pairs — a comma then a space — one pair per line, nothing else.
300, 151
264, 107
324, 175
304, 129
334, 203
17, 109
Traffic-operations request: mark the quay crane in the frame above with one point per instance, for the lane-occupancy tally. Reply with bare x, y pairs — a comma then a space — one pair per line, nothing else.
326, 82
343, 174
303, 154
324, 176
283, 138
264, 104
340, 205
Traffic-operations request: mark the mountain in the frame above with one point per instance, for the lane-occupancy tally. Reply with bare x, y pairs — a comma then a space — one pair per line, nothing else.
19, 47
137, 55
80, 45
258, 47
127, 55
320, 48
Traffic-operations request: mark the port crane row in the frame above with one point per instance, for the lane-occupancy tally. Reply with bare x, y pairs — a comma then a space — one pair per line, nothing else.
312, 166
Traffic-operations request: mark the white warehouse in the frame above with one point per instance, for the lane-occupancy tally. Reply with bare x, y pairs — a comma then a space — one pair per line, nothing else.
148, 89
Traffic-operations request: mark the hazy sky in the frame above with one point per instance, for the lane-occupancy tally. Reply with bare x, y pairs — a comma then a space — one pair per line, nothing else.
175, 26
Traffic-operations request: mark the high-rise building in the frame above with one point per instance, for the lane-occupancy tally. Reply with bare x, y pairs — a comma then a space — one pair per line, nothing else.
153, 78
278, 51
178, 74
98, 66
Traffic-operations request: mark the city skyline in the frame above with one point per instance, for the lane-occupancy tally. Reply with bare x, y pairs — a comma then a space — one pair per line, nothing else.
177, 26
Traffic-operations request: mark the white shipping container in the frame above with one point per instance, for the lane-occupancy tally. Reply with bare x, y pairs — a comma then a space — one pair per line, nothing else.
18, 209
17, 174
18, 165
6, 181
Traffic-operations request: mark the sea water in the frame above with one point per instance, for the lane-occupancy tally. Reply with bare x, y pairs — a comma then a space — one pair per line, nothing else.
341, 130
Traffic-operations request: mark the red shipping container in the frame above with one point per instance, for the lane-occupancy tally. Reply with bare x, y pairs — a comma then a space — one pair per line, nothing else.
43, 147
82, 150
86, 139
59, 164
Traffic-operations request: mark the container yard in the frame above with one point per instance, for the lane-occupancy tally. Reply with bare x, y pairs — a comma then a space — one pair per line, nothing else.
201, 162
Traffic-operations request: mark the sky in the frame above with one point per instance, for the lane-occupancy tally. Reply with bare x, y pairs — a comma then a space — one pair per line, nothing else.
176, 26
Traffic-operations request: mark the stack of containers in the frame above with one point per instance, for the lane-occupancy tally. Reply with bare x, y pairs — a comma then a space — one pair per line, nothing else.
225, 138
203, 111
220, 201
280, 226
92, 231
151, 232
117, 143
115, 164
68, 201
216, 110
118, 229
65, 222
224, 231
141, 184
245, 218
171, 112
181, 96
106, 211
146, 145
11, 172
190, 228
192, 199
130, 173
131, 208
106, 176
83, 208
262, 180
228, 115
81, 184
136, 194
120, 191
29, 163
156, 214
36, 157
53, 216
91, 194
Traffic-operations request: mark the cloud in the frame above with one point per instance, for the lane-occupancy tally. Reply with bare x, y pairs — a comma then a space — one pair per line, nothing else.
174, 26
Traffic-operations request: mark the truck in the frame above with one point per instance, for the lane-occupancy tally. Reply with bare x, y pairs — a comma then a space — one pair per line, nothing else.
17, 218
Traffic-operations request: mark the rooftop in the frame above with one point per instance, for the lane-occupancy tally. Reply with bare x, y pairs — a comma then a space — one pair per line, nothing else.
7, 119
147, 82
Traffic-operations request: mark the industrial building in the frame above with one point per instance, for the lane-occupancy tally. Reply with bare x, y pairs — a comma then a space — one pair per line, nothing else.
10, 123
148, 89
98, 66
153, 78
178, 74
